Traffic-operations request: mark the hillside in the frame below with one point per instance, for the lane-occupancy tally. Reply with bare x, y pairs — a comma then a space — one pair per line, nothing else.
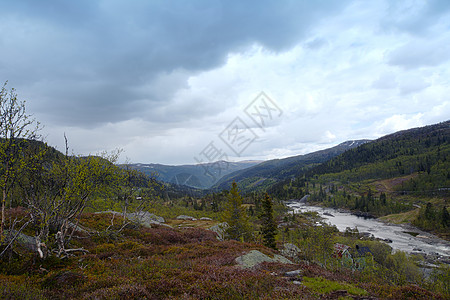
271, 171
404, 176
404, 152
201, 176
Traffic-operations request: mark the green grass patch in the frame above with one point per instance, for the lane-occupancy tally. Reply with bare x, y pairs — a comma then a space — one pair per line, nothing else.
321, 285
401, 218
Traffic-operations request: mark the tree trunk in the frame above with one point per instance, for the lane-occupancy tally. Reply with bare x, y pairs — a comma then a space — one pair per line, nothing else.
3, 212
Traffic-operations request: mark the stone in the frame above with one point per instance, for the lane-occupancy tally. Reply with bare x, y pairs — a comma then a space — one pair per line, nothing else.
255, 257
220, 230
293, 273
29, 242
205, 219
143, 218
290, 250
183, 217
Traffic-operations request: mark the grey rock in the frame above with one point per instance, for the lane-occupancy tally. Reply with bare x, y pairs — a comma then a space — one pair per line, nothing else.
143, 218
290, 250
205, 219
220, 230
183, 217
293, 273
255, 257
76, 227
29, 242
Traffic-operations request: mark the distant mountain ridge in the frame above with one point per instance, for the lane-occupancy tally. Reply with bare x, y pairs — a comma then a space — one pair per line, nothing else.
397, 154
271, 171
201, 176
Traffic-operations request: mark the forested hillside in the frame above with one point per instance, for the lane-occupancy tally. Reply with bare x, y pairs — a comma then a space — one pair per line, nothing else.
406, 173
263, 175
424, 151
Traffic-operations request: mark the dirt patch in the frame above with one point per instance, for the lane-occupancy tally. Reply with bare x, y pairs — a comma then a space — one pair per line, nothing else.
388, 185
205, 224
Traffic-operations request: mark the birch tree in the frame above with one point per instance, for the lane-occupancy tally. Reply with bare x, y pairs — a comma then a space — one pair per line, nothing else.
16, 129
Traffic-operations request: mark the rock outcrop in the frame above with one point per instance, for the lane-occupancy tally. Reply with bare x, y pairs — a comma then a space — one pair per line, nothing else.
220, 230
143, 218
290, 250
255, 257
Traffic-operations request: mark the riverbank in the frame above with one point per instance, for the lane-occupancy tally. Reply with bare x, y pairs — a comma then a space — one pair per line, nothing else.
404, 237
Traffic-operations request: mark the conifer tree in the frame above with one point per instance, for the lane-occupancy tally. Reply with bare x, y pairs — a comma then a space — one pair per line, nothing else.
236, 216
269, 227
445, 217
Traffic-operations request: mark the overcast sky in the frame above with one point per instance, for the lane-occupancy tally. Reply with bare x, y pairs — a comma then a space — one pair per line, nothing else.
162, 80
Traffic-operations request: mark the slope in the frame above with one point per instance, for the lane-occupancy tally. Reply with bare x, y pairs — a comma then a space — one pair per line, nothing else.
271, 171
404, 176
198, 176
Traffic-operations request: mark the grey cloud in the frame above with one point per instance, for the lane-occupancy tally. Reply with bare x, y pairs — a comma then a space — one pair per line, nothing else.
92, 56
415, 18
420, 53
385, 81
316, 43
412, 84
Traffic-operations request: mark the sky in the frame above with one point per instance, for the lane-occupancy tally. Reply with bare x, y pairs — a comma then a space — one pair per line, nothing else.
182, 82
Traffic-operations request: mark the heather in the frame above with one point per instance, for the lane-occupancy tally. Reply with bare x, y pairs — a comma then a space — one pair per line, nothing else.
136, 262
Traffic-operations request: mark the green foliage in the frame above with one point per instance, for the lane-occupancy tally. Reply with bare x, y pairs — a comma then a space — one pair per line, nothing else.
433, 218
403, 269
316, 242
236, 216
16, 127
20, 289
323, 286
269, 226
440, 279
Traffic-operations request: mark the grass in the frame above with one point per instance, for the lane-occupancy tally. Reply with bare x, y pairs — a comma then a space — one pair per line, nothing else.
402, 218
321, 285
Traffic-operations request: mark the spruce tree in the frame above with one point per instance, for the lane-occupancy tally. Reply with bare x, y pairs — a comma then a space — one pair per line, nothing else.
236, 216
269, 227
445, 217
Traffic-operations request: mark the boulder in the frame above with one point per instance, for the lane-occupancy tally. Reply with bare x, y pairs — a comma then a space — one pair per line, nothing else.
26, 241
205, 219
220, 230
255, 257
293, 273
290, 250
183, 217
145, 218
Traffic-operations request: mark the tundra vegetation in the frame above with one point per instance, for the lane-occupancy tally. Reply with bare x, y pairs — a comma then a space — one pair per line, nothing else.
66, 234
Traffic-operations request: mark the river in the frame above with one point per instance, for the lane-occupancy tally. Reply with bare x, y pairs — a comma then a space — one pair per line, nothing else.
422, 243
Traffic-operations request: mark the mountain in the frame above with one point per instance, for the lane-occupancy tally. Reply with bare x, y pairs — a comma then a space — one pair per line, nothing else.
271, 171
403, 177
423, 150
198, 176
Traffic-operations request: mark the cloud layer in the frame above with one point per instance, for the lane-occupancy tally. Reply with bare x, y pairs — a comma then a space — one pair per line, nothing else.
162, 79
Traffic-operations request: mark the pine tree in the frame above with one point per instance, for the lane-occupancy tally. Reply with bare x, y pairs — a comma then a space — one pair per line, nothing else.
445, 217
236, 216
269, 227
